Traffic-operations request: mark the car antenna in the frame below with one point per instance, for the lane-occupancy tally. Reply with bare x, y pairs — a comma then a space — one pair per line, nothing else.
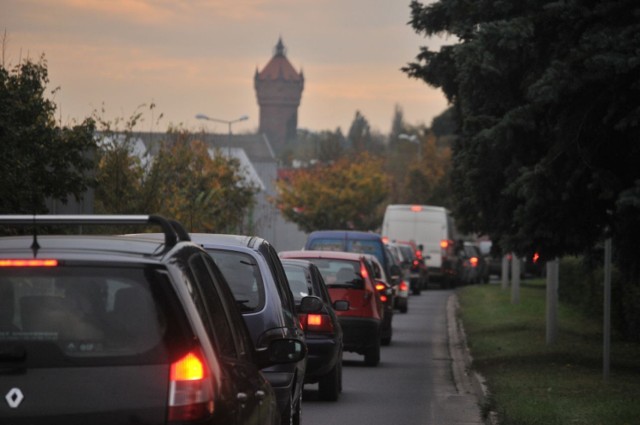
35, 246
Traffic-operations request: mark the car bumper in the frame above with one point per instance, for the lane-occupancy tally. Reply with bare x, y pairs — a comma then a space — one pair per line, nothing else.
322, 355
359, 333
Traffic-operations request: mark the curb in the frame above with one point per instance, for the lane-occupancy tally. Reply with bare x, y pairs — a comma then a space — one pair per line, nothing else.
467, 380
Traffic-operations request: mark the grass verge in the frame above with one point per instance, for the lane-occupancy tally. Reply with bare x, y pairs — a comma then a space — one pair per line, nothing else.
533, 383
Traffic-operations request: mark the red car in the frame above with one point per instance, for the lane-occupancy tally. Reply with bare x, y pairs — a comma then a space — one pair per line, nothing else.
349, 277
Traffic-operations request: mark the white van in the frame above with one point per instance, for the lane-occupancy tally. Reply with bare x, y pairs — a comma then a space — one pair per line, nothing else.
432, 228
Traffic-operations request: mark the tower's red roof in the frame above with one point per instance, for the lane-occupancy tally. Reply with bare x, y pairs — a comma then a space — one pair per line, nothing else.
279, 67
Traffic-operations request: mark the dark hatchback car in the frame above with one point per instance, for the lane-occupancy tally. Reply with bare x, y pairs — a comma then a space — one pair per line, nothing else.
322, 330
114, 329
258, 281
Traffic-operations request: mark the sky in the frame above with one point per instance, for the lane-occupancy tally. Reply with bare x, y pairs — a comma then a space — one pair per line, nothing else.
200, 56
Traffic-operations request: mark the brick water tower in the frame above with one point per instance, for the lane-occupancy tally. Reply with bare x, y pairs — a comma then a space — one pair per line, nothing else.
279, 90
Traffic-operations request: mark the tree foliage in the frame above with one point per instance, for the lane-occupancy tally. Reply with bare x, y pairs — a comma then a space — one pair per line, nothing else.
346, 194
182, 181
40, 159
546, 94
205, 194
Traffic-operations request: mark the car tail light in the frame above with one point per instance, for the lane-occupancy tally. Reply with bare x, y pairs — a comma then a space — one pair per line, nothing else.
473, 261
381, 287
416, 208
363, 271
416, 263
316, 322
403, 286
444, 244
190, 388
36, 262
535, 257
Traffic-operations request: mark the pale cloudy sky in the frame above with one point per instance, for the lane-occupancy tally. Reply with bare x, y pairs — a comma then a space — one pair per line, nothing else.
200, 56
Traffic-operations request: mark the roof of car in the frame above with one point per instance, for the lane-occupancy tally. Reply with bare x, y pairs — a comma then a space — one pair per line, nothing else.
345, 234
339, 255
223, 239
85, 247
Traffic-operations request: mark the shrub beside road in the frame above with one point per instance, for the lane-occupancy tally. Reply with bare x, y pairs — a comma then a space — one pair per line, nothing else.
530, 382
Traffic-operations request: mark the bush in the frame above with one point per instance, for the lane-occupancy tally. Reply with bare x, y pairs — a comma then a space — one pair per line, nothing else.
582, 285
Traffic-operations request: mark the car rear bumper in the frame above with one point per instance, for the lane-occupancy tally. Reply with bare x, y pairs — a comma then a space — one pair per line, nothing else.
323, 354
360, 333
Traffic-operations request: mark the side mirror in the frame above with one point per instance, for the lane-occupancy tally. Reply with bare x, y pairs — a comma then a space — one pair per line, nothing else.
341, 305
310, 304
281, 351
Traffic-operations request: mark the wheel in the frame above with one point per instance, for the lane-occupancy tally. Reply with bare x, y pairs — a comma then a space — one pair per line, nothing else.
404, 307
329, 386
416, 287
372, 356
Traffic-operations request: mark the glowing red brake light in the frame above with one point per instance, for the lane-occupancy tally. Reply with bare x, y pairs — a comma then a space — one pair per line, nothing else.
380, 287
363, 272
188, 368
416, 208
316, 322
473, 261
28, 263
535, 258
404, 286
190, 391
444, 244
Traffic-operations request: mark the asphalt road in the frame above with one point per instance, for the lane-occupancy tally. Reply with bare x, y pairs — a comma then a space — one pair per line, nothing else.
420, 380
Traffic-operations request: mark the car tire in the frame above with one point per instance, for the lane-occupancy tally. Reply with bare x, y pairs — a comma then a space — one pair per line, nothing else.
372, 356
329, 386
404, 307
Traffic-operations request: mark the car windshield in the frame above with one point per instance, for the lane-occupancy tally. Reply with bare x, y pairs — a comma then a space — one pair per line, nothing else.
242, 273
340, 273
82, 312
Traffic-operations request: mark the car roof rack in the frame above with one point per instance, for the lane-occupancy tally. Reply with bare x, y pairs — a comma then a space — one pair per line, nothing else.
173, 231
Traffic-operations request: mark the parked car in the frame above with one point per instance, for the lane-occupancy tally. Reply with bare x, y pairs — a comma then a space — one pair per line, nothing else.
117, 329
322, 330
259, 283
349, 277
431, 227
359, 242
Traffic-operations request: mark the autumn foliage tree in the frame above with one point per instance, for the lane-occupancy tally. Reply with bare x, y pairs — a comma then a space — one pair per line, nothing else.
181, 181
346, 194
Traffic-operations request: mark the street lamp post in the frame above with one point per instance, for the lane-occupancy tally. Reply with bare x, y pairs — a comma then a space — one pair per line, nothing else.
413, 139
229, 123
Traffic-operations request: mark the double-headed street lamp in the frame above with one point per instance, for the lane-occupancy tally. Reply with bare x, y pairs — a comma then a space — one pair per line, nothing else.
413, 139
229, 123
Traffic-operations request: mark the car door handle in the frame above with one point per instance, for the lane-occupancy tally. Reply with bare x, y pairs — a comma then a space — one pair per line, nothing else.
242, 397
260, 395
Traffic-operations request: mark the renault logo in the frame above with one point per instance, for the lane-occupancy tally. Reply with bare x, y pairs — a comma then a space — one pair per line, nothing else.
14, 397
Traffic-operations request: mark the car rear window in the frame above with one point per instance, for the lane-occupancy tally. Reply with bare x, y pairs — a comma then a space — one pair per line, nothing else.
363, 246
242, 273
95, 313
340, 273
297, 282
